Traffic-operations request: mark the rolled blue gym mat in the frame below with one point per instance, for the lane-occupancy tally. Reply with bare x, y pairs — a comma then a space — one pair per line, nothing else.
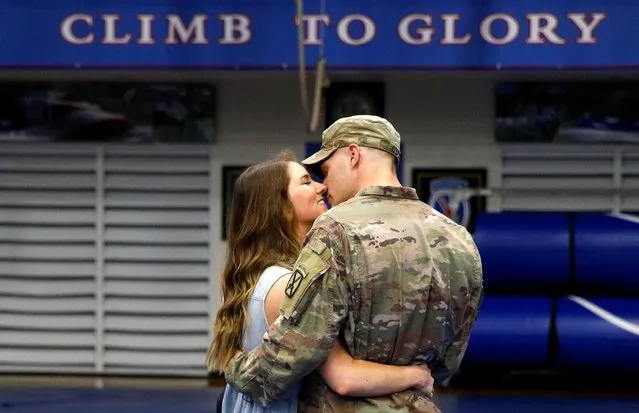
598, 333
524, 250
511, 331
607, 251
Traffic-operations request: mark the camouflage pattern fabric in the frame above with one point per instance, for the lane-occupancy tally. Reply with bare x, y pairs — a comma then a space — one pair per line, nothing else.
397, 281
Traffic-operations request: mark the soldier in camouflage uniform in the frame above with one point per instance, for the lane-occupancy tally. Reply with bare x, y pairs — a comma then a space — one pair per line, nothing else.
397, 281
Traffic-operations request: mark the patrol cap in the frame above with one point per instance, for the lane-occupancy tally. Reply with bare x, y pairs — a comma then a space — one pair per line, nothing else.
363, 130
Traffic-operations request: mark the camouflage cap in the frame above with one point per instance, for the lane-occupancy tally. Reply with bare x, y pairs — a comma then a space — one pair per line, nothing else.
363, 130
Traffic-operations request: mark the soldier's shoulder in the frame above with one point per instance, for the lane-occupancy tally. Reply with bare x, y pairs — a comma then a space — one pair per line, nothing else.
325, 229
355, 209
446, 222
458, 235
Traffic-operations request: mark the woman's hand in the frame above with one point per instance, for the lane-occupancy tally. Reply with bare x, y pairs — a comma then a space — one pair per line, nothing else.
424, 381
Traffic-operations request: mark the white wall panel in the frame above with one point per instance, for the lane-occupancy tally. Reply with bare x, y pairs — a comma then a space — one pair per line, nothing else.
558, 178
156, 220
47, 259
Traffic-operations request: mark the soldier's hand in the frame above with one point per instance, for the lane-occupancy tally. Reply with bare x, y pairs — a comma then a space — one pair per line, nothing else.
425, 382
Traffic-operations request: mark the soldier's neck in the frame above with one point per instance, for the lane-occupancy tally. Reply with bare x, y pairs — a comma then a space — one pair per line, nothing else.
378, 179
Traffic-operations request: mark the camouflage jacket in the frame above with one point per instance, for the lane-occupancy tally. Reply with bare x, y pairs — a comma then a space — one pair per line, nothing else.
397, 281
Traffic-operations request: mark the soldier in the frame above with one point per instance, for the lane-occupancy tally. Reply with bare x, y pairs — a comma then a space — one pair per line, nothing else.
394, 279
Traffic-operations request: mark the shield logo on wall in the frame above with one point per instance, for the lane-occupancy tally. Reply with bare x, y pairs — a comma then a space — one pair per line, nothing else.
433, 187
442, 199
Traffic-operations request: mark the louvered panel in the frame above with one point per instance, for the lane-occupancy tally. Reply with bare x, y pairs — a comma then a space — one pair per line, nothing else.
44, 252
39, 234
44, 215
556, 178
544, 202
61, 305
48, 322
49, 270
128, 200
29, 198
150, 236
132, 323
20, 338
560, 164
39, 287
160, 181
47, 258
154, 342
630, 181
147, 217
61, 181
157, 288
71, 356
155, 306
53, 368
157, 271
46, 160
156, 359
194, 371
156, 255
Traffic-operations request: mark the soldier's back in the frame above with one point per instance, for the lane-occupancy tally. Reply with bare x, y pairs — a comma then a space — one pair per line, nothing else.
409, 269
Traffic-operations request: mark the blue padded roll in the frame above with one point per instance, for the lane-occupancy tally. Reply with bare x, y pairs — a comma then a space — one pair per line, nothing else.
511, 331
520, 250
607, 251
599, 333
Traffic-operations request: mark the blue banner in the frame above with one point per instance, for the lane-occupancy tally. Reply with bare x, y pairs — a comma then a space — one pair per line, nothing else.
378, 35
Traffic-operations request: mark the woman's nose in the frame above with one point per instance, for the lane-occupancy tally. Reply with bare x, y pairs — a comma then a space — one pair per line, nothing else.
320, 188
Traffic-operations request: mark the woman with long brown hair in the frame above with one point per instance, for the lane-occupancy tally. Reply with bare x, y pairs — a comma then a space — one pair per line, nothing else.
274, 206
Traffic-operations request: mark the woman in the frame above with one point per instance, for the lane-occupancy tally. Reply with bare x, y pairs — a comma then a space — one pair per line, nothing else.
274, 206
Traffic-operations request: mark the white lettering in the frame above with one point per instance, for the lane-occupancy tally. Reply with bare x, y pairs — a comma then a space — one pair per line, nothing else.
424, 35
450, 22
353, 29
486, 32
344, 25
312, 21
146, 34
178, 33
586, 29
538, 33
66, 29
235, 24
110, 35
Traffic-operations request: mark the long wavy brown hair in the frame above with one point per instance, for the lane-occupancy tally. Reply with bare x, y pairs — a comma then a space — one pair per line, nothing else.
261, 233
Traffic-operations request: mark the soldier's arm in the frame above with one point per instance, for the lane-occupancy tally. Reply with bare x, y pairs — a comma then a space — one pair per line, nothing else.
361, 378
356, 378
472, 293
312, 315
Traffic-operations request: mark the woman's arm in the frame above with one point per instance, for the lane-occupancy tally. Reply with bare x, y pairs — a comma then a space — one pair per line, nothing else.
357, 378
360, 378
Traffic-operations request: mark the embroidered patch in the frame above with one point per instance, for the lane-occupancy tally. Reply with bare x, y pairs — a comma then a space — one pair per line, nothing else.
303, 284
294, 283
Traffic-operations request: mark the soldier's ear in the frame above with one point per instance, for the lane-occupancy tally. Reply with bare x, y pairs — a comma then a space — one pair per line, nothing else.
354, 152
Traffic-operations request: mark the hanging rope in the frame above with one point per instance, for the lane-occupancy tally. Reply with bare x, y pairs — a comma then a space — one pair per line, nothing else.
311, 116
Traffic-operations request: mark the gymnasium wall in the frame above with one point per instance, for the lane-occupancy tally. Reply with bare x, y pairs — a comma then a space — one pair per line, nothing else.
128, 284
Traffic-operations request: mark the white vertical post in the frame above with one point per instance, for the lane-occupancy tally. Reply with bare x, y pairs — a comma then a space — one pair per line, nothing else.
214, 185
99, 259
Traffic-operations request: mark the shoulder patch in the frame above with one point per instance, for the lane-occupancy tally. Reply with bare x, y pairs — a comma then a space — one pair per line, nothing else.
305, 281
294, 282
